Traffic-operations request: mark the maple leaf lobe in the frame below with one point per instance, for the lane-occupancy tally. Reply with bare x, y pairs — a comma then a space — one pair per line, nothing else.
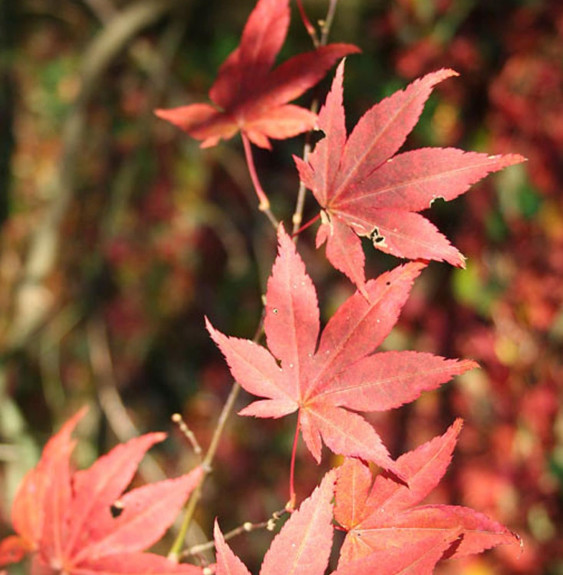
330, 378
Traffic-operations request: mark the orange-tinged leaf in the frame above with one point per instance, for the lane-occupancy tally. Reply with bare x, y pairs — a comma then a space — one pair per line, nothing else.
419, 558
134, 564
249, 95
389, 518
146, 514
44, 495
71, 528
353, 484
13, 549
95, 489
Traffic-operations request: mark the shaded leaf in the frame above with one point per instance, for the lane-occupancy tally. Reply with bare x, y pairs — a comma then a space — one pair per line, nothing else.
248, 95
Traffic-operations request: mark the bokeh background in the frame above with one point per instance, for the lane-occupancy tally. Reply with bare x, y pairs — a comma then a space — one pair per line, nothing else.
118, 234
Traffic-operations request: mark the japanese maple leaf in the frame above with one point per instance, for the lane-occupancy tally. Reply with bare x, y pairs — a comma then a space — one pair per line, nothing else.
366, 189
248, 95
329, 380
64, 517
303, 545
383, 515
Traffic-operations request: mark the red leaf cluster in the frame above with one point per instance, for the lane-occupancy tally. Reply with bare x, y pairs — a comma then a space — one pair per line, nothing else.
81, 523
386, 534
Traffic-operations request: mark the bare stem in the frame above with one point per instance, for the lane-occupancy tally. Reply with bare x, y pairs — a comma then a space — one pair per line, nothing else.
327, 24
206, 464
307, 23
325, 31
176, 548
290, 505
246, 527
187, 433
264, 205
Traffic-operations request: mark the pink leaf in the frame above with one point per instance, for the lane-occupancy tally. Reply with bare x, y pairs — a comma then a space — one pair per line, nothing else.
418, 558
388, 518
360, 183
303, 545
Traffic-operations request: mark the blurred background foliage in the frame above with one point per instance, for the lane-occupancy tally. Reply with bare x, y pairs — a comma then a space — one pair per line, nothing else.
118, 234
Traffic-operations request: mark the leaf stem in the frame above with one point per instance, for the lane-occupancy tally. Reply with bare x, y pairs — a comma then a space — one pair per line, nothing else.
308, 224
290, 505
307, 23
325, 31
264, 205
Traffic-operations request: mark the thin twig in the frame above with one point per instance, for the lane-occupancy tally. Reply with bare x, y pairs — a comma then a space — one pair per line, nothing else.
187, 433
297, 218
206, 464
327, 24
246, 527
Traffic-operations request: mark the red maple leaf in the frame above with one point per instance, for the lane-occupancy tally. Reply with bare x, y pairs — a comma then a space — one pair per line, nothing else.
367, 190
329, 380
248, 95
303, 545
382, 516
65, 518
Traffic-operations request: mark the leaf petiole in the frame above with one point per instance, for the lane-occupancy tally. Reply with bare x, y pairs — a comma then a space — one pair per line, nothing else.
290, 505
264, 205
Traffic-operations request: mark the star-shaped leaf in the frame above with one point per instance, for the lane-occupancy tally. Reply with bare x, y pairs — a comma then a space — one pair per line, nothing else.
248, 95
366, 189
383, 515
328, 379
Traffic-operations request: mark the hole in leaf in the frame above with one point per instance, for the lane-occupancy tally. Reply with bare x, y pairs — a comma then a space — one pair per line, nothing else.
377, 238
116, 509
